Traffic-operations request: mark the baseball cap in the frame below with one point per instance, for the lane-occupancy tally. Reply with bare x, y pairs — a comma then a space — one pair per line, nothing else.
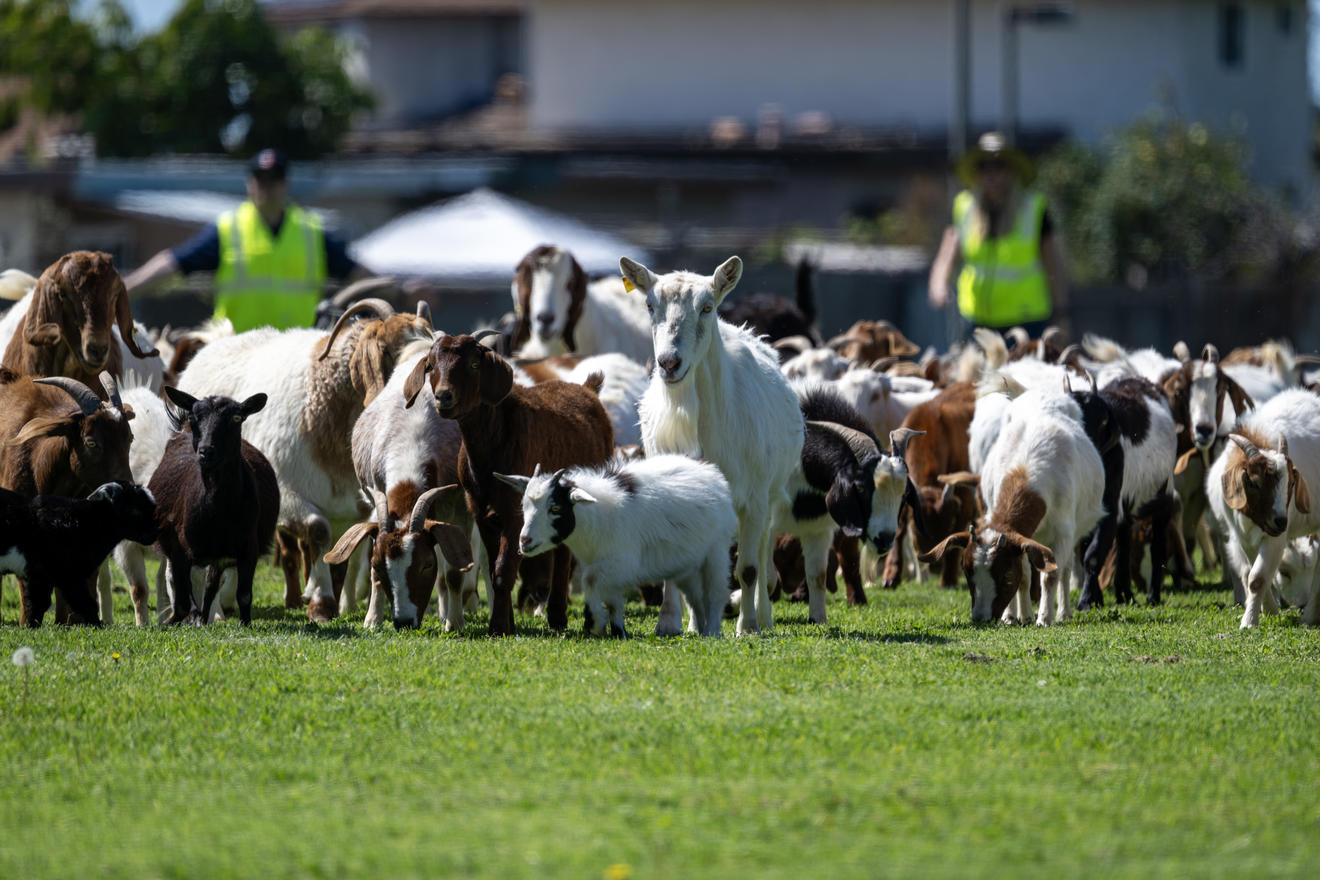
269, 164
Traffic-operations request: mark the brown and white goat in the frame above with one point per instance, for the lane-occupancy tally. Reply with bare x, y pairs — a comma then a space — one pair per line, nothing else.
867, 341
510, 430
67, 328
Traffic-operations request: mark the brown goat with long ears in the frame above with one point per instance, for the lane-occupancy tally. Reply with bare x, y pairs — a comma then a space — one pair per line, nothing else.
67, 329
510, 430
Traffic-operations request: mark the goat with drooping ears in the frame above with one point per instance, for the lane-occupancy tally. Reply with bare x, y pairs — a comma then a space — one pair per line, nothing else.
717, 393
219, 500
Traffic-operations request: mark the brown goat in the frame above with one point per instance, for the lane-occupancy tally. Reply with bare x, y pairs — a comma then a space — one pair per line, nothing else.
67, 329
935, 461
867, 341
52, 445
510, 430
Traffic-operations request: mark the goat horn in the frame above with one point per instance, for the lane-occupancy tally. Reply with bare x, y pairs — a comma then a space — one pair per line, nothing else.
898, 440
1019, 335
797, 343
884, 363
424, 502
1248, 448
346, 296
1053, 335
862, 446
1210, 354
482, 334
424, 312
1309, 359
378, 307
382, 509
1181, 351
1283, 446
837, 342
86, 399
111, 390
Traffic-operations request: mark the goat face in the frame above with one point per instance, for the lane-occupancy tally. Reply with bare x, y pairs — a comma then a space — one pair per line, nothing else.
464, 375
215, 424
75, 302
682, 307
993, 565
548, 509
549, 288
1261, 484
1196, 393
134, 509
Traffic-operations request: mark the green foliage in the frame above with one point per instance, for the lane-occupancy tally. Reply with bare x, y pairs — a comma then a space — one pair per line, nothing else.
216, 79
1166, 199
898, 741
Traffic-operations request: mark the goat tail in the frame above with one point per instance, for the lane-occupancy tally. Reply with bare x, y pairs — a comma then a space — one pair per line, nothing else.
594, 382
806, 295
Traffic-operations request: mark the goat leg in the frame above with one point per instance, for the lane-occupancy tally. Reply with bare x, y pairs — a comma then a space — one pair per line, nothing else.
504, 574
556, 611
849, 552
34, 601
290, 558
892, 575
246, 570
1159, 551
1123, 570
213, 573
181, 578
82, 601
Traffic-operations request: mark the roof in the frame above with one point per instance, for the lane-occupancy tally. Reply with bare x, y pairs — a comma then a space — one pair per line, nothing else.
480, 237
293, 11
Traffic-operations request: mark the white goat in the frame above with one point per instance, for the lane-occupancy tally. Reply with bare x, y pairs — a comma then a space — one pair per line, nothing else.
884, 401
1042, 484
717, 394
560, 312
1258, 491
632, 523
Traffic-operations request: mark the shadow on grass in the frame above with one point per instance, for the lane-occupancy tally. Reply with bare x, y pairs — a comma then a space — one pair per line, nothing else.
900, 638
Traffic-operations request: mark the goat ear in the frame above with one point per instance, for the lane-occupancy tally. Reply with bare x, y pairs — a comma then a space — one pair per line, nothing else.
182, 399
581, 496
637, 275
412, 386
1240, 399
1040, 556
956, 541
254, 404
453, 543
124, 318
516, 482
41, 325
521, 291
496, 378
1183, 460
105, 492
726, 277
1235, 493
577, 291
1302, 495
348, 542
46, 426
369, 366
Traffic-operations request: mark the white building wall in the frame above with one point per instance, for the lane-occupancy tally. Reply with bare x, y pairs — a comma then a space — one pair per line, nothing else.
613, 65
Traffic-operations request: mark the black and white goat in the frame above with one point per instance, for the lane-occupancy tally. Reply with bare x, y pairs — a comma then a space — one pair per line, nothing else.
55, 543
630, 523
222, 499
845, 482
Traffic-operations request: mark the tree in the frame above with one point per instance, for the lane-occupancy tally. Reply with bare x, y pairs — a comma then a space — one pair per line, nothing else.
216, 79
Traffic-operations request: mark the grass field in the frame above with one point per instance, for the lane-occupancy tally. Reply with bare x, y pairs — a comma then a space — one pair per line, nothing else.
899, 741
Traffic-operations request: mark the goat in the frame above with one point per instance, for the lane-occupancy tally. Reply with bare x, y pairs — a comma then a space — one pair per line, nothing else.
624, 384
632, 523
560, 312
67, 325
1258, 490
936, 458
399, 454
221, 500
844, 482
510, 429
867, 341
1042, 484
774, 317
318, 385
717, 392
56, 543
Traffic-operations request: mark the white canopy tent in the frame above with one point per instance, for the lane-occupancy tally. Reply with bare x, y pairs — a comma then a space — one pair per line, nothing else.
478, 239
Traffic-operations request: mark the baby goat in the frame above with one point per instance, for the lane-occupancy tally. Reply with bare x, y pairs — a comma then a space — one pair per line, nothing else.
632, 523
222, 499
55, 543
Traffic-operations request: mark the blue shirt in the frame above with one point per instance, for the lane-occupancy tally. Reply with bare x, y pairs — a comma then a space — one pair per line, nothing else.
201, 253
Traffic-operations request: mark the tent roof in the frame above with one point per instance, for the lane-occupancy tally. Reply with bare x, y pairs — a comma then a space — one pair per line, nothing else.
480, 237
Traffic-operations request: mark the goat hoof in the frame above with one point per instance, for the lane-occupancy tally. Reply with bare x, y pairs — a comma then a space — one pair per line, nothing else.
294, 602
322, 610
813, 620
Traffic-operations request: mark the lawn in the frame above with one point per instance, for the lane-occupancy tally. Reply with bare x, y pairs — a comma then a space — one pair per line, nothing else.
898, 741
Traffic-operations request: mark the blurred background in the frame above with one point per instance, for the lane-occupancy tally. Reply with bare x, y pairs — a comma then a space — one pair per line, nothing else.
1175, 139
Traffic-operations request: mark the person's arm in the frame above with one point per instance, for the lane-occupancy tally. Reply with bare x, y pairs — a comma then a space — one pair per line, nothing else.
338, 263
152, 273
942, 269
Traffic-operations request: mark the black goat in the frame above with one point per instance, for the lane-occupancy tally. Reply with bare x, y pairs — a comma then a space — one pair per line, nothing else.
57, 543
774, 316
222, 499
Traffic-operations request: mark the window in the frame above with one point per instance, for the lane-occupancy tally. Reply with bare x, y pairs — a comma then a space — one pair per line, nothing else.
1232, 38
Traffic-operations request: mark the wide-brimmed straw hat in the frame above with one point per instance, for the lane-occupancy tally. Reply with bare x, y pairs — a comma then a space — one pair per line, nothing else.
991, 147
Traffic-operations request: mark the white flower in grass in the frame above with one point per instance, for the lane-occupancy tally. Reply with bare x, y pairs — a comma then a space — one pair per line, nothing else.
24, 656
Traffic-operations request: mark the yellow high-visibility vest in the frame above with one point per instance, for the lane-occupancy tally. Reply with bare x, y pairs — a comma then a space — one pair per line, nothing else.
266, 280
1002, 282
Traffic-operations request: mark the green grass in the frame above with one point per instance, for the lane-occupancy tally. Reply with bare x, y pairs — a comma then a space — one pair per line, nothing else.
898, 741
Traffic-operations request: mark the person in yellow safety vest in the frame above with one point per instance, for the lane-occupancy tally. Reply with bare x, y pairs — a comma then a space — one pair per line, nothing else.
1013, 269
270, 257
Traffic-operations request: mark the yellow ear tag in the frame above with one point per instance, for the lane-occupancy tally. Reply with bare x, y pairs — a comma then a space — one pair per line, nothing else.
628, 285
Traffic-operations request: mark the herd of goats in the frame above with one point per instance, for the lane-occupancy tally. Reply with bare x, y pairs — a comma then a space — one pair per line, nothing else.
632, 435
